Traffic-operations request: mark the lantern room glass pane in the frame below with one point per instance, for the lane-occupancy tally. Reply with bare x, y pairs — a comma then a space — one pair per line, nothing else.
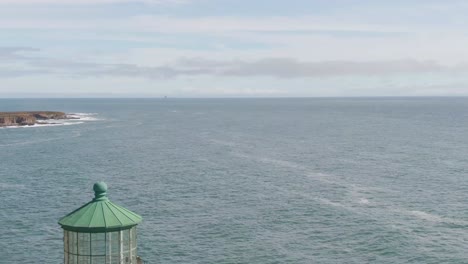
65, 242
96, 248
84, 244
133, 237
98, 244
72, 236
98, 259
126, 240
113, 247
84, 260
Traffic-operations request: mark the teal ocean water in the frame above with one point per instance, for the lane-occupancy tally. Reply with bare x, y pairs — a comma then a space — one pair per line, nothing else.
364, 180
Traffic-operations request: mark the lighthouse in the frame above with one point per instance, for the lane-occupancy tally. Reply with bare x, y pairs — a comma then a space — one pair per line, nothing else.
100, 232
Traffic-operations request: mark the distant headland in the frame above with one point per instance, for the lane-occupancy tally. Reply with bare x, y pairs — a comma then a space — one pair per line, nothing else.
29, 118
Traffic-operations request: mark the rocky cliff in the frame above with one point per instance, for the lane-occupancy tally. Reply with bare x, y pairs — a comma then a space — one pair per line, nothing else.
28, 118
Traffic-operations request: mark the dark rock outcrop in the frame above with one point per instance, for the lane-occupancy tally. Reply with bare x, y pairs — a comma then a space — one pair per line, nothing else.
28, 118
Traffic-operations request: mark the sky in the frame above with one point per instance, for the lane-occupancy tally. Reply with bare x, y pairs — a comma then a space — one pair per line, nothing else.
233, 48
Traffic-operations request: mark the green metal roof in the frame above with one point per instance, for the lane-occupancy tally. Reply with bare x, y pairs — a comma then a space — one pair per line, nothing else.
99, 215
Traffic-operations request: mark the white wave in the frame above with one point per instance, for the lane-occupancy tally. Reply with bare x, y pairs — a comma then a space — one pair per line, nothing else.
11, 186
363, 201
302, 170
315, 198
431, 217
331, 203
49, 125
71, 123
223, 143
89, 118
426, 216
83, 116
31, 126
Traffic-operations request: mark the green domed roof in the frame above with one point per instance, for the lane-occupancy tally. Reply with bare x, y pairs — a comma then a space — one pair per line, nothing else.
99, 215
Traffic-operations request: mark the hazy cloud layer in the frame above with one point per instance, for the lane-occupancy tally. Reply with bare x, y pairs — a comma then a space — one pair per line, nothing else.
13, 53
271, 67
207, 24
87, 2
292, 68
234, 47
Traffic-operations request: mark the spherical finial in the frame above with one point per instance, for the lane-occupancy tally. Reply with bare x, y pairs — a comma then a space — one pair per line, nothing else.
100, 187
100, 191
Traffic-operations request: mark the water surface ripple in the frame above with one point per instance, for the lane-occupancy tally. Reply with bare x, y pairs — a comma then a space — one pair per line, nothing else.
247, 180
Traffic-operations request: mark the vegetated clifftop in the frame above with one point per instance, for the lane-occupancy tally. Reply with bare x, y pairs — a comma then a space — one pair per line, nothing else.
28, 118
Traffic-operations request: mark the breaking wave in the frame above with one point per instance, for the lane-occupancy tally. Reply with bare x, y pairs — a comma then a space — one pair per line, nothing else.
83, 116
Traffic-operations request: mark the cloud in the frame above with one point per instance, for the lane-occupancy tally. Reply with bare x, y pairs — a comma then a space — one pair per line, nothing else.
208, 24
102, 43
271, 67
292, 68
6, 72
255, 24
13, 53
87, 2
25, 63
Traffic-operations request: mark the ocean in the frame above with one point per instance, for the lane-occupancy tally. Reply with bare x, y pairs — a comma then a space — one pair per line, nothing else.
324, 180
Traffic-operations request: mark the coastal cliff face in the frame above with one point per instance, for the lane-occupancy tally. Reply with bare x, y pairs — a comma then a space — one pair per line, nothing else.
28, 118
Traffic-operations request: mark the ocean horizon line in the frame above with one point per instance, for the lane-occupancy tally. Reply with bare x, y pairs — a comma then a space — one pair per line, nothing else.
242, 97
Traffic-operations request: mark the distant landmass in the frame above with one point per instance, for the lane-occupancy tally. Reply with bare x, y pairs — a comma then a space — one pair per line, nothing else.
29, 118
